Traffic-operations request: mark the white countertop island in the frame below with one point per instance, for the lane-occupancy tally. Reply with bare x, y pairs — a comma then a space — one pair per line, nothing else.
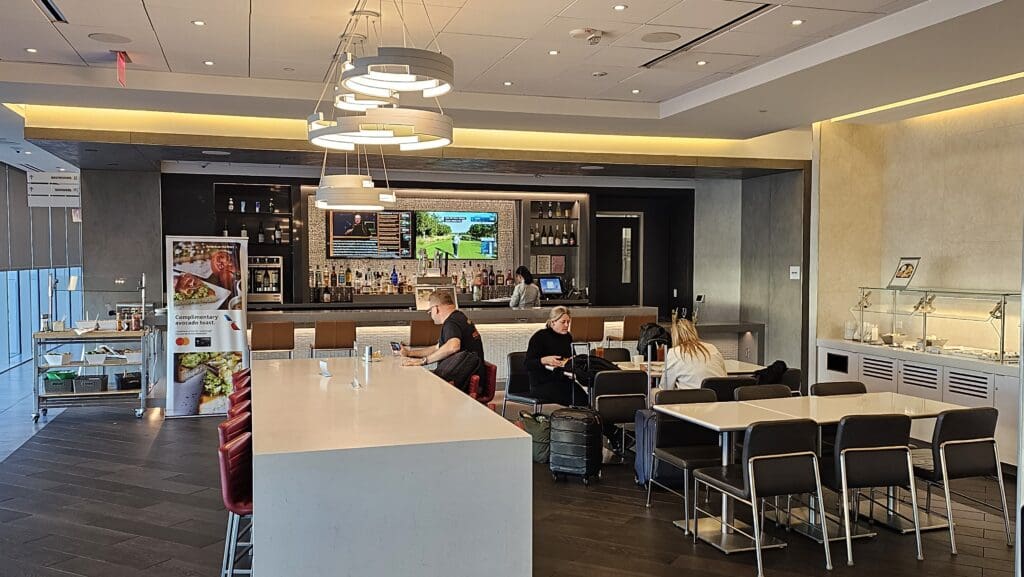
403, 476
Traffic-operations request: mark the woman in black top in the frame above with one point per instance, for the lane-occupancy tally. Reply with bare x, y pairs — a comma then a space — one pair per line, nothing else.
550, 348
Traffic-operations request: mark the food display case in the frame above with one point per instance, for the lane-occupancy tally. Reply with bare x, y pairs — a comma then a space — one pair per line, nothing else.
976, 324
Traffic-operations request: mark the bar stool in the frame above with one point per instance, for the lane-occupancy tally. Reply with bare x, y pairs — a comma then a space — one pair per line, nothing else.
963, 446
423, 333
242, 407
235, 460
239, 395
277, 337
234, 426
594, 330
778, 459
333, 336
725, 387
631, 327
757, 392
484, 392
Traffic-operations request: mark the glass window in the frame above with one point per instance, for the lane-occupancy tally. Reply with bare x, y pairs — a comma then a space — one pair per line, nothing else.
27, 308
76, 298
13, 308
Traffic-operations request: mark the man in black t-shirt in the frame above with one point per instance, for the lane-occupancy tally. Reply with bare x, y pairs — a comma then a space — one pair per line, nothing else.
458, 333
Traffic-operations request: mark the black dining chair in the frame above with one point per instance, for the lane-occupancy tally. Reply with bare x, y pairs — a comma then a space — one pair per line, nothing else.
618, 395
792, 378
838, 388
963, 446
517, 387
682, 444
725, 387
616, 355
871, 451
778, 459
756, 392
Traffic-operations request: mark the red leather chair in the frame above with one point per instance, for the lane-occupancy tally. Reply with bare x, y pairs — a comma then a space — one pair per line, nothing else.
235, 459
484, 393
242, 407
233, 427
241, 378
239, 395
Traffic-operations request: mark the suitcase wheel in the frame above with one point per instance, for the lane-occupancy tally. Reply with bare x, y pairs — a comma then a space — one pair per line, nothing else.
586, 480
556, 477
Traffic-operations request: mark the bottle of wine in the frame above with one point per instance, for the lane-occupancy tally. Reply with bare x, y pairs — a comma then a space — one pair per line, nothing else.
551, 213
531, 235
565, 236
394, 275
491, 279
551, 236
558, 210
558, 236
225, 231
245, 231
265, 281
334, 275
231, 204
572, 235
510, 279
277, 233
259, 234
326, 295
501, 278
348, 276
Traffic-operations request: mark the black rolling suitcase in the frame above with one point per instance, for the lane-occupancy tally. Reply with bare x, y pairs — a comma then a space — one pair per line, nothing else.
575, 444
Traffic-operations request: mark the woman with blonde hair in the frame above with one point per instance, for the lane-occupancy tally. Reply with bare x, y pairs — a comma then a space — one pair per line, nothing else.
690, 360
549, 349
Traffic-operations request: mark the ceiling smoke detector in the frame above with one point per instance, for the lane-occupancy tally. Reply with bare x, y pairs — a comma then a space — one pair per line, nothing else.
592, 35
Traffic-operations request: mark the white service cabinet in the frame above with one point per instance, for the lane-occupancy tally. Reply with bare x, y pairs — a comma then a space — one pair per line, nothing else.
1007, 391
879, 374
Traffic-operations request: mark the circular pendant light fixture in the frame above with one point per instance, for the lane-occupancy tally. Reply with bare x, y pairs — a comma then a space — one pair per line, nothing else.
399, 69
345, 99
409, 128
352, 192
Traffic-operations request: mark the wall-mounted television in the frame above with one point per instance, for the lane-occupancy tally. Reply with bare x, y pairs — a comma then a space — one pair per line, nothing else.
462, 235
386, 234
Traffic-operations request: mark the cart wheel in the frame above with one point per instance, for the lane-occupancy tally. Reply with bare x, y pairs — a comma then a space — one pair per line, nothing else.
637, 481
35, 417
586, 480
42, 412
139, 413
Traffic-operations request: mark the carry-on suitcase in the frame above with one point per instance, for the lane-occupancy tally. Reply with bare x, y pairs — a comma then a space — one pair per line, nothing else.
646, 433
575, 444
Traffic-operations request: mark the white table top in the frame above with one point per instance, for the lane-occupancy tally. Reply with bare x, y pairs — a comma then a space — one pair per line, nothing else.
732, 366
720, 417
826, 410
296, 410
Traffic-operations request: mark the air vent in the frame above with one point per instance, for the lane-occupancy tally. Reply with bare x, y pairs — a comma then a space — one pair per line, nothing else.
30, 167
970, 384
878, 368
728, 26
921, 376
51, 11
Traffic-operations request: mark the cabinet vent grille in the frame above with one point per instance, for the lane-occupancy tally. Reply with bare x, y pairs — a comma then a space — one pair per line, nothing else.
878, 368
921, 376
969, 384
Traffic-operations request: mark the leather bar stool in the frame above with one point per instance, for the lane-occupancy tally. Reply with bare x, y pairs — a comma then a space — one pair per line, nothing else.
755, 392
963, 446
239, 395
234, 426
725, 387
333, 336
517, 388
484, 392
778, 459
242, 407
423, 333
277, 337
682, 445
871, 451
235, 460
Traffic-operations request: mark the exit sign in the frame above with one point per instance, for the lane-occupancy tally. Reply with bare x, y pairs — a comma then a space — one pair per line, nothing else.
122, 69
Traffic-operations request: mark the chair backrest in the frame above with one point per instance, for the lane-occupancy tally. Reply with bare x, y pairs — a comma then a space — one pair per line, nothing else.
484, 391
239, 395
235, 459
588, 329
838, 388
518, 377
616, 354
755, 392
791, 378
725, 387
872, 468
672, 432
618, 395
231, 427
242, 407
277, 336
423, 333
241, 377
334, 335
631, 325
781, 475
966, 460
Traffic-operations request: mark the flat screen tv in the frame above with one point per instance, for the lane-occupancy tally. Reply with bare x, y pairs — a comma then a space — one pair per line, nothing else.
386, 234
462, 235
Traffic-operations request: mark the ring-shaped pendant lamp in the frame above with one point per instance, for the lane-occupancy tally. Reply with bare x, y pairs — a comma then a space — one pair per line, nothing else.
409, 128
398, 69
352, 192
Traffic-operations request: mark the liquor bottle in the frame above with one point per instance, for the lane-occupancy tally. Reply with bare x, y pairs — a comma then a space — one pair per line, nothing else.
572, 235
357, 282
551, 236
543, 240
225, 231
245, 231
558, 210
491, 279
277, 233
558, 236
231, 204
333, 279
394, 276
531, 235
326, 295
265, 281
551, 213
510, 280
312, 286
501, 278
348, 276
270, 208
256, 206
565, 236
259, 234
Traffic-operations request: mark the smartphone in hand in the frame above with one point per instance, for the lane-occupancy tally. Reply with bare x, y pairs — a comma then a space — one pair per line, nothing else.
396, 347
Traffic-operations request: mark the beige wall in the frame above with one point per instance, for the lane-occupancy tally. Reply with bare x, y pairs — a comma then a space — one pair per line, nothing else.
948, 187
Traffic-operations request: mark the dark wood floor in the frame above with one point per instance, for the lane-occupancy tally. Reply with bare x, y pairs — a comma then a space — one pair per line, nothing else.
99, 493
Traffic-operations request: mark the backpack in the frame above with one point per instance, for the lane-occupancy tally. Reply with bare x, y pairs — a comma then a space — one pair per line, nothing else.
652, 333
539, 427
772, 374
586, 367
458, 368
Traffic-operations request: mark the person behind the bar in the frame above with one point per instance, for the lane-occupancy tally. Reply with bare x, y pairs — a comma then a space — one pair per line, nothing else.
526, 294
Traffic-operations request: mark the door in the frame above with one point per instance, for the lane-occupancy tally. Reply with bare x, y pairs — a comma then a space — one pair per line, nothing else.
617, 278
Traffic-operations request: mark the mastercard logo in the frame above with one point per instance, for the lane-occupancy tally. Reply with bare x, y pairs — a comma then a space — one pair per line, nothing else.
181, 341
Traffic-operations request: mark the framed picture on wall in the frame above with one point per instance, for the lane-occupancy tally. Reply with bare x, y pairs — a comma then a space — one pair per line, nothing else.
557, 264
904, 272
543, 264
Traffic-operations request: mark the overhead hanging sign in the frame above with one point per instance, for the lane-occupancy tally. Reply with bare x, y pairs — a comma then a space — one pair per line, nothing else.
122, 69
54, 189
206, 338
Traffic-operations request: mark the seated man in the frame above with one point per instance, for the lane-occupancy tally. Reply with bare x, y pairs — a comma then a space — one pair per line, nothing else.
458, 333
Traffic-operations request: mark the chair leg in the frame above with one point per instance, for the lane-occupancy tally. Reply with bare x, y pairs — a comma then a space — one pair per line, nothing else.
757, 532
504, 403
1002, 496
696, 514
821, 513
686, 501
949, 501
846, 512
928, 498
650, 478
233, 540
913, 502
227, 547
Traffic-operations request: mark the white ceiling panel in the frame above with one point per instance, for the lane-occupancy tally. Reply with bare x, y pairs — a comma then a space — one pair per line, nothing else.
144, 49
40, 35
417, 27
579, 82
518, 19
713, 63
302, 40
704, 13
303, 70
815, 22
533, 55
623, 56
557, 30
637, 11
634, 38
474, 54
121, 14
752, 44
23, 10
879, 6
224, 39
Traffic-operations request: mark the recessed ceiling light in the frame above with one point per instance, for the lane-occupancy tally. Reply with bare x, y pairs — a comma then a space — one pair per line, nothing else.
61, 169
508, 83
216, 152
660, 37
199, 22
635, 91
591, 167
619, 7
27, 151
31, 50
599, 74
797, 22
553, 52
702, 63
208, 62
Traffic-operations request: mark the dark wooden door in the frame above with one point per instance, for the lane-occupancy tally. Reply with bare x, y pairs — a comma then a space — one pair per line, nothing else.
617, 275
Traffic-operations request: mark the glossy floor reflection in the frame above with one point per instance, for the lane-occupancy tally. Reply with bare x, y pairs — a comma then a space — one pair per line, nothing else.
16, 424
